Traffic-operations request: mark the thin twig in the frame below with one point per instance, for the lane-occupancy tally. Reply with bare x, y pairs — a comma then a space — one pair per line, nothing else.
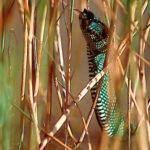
57, 140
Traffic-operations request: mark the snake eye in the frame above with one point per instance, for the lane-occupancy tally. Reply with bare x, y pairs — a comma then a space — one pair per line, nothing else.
90, 15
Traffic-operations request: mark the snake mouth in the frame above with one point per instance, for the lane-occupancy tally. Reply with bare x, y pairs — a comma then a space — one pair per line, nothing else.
82, 16
86, 14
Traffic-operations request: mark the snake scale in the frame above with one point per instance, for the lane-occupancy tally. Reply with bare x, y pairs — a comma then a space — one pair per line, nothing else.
96, 34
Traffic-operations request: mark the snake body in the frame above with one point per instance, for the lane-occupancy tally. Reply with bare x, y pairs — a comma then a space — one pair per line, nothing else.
96, 35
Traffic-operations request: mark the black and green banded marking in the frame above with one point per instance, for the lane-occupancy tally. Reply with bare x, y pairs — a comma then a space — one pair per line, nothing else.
96, 35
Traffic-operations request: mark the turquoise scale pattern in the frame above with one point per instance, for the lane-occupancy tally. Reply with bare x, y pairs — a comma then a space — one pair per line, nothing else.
112, 121
107, 111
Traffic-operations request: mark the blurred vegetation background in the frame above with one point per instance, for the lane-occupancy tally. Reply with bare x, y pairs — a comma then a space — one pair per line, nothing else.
39, 80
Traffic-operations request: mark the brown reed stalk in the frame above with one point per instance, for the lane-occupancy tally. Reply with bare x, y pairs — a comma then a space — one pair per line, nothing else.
57, 140
146, 33
21, 10
122, 6
104, 142
110, 45
87, 133
59, 53
1, 20
131, 32
52, 29
111, 32
23, 81
49, 96
54, 5
68, 70
121, 47
40, 46
32, 102
84, 4
68, 56
24, 65
26, 6
129, 114
142, 58
58, 91
142, 72
131, 93
144, 6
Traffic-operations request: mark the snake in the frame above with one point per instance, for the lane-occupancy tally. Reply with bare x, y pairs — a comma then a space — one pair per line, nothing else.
107, 110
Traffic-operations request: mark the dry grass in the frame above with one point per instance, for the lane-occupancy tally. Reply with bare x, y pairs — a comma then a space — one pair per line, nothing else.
44, 95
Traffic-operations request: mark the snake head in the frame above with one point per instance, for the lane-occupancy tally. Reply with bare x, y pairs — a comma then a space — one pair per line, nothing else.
94, 31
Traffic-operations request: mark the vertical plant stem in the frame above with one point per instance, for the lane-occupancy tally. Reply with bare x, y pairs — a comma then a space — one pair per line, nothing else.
59, 51
24, 65
23, 81
88, 4
106, 13
68, 74
1, 21
26, 6
68, 56
40, 48
58, 93
146, 33
142, 71
111, 32
54, 5
53, 13
84, 4
1, 31
32, 103
110, 45
49, 97
129, 118
68, 65
21, 10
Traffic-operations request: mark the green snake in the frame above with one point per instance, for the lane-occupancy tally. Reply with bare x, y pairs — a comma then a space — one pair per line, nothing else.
107, 111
